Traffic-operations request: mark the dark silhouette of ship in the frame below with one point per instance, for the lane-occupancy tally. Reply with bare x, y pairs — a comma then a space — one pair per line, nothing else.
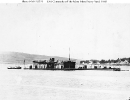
65, 65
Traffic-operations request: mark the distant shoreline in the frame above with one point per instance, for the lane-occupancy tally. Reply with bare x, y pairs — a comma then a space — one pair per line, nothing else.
108, 64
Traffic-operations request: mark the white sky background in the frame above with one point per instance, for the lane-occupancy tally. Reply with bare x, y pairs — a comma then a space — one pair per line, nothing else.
92, 31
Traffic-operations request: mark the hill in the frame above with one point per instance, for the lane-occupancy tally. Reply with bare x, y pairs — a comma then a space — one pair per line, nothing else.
18, 57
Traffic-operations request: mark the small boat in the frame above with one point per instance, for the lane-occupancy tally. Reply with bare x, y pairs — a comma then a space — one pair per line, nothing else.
17, 67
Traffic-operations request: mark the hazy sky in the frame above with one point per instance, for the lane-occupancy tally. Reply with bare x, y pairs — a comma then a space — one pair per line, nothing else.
92, 31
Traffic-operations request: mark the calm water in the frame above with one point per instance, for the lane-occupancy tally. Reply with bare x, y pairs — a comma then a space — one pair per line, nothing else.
63, 85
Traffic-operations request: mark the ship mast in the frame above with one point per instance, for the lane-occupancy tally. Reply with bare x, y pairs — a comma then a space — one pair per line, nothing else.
69, 58
24, 63
69, 54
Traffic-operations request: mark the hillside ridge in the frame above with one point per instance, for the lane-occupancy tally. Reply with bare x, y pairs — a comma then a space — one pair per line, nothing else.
19, 57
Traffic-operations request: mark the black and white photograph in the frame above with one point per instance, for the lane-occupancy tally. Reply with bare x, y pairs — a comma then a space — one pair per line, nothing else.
60, 51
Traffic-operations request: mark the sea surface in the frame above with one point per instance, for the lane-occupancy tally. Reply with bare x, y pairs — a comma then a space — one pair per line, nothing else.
20, 84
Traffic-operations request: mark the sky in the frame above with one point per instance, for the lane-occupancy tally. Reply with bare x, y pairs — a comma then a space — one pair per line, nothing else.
91, 31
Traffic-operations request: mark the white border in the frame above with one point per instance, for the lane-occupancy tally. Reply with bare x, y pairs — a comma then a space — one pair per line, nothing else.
20, 1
